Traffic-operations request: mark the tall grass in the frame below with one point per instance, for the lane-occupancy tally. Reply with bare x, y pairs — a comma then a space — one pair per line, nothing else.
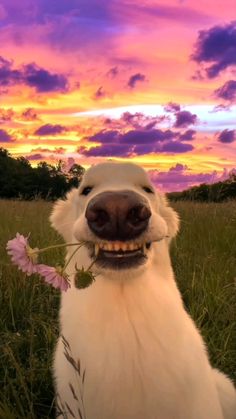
204, 259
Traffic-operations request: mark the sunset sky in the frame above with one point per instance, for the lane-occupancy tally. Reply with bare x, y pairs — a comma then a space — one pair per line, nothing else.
153, 82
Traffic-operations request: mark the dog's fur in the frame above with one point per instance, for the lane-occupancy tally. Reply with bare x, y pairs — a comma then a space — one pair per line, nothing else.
143, 356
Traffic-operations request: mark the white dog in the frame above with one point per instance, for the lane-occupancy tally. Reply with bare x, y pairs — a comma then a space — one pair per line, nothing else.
128, 349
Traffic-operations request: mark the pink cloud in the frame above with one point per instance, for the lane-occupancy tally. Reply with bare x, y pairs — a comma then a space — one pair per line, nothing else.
179, 178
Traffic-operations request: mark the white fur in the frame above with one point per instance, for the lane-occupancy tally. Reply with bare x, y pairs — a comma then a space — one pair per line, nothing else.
144, 358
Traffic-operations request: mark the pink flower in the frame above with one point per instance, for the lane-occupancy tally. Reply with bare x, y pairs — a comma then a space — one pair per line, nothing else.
26, 259
22, 254
54, 276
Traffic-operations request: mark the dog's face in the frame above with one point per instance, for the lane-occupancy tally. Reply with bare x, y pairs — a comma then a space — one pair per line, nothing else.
118, 213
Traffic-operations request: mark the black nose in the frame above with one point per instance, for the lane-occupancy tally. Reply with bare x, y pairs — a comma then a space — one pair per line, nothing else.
120, 215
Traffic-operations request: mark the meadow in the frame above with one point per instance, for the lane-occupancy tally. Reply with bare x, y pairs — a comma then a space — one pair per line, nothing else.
204, 261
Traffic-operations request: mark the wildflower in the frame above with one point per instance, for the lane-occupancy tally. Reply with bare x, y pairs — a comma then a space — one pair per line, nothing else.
22, 254
57, 277
26, 259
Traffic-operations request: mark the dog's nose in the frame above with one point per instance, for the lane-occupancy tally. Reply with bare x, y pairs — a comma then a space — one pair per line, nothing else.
118, 215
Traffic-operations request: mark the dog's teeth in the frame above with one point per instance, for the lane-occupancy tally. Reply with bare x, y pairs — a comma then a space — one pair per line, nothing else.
96, 249
116, 246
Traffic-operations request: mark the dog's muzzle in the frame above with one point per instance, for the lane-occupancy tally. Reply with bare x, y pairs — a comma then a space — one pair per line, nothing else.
117, 220
118, 215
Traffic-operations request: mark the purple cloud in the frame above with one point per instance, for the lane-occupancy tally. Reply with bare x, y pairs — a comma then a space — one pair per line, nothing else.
227, 136
134, 79
135, 142
5, 137
56, 150
132, 118
33, 76
187, 135
106, 150
105, 137
50, 129
138, 142
227, 91
176, 147
197, 76
184, 118
172, 107
216, 45
178, 178
29, 114
144, 137
113, 72
6, 115
124, 150
141, 149
151, 125
138, 120
8, 76
138, 136
100, 93
44, 81
220, 108
36, 156
179, 167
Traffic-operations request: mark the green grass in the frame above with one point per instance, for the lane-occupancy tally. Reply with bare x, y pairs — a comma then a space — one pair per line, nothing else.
204, 259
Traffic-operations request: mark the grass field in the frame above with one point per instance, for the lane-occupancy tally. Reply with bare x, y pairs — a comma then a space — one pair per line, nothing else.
204, 259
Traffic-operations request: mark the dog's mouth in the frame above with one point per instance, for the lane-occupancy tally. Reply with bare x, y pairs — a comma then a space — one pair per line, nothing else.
119, 255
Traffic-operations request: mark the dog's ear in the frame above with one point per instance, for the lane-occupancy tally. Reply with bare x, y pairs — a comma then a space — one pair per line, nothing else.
170, 216
63, 215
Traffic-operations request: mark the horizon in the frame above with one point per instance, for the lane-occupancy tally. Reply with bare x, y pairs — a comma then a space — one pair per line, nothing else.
150, 83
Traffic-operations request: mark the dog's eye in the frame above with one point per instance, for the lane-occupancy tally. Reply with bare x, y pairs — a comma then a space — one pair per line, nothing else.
86, 190
147, 189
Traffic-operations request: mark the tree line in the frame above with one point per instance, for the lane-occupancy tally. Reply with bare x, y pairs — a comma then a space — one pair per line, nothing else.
18, 179
215, 192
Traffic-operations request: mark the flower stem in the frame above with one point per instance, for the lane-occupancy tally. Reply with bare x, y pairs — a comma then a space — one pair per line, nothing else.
44, 249
90, 266
71, 256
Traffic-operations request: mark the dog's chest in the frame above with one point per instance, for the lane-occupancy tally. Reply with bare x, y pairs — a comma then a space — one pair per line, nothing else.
132, 356
128, 371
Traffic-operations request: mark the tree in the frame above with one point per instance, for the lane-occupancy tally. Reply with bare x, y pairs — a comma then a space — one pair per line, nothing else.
77, 171
18, 179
